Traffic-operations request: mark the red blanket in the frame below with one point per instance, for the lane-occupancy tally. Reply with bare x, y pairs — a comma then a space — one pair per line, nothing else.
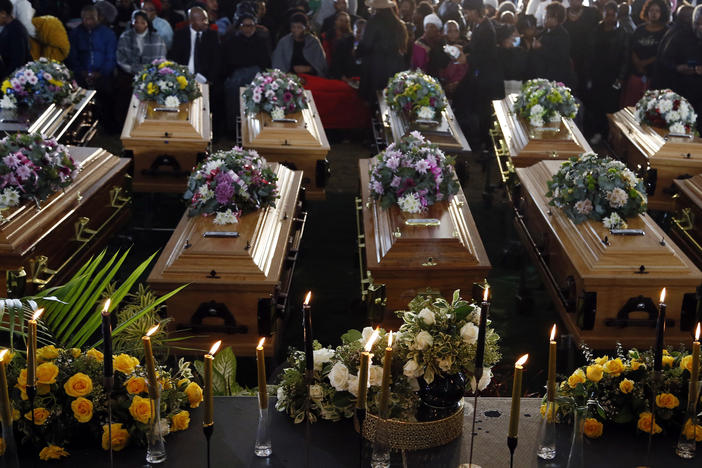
339, 105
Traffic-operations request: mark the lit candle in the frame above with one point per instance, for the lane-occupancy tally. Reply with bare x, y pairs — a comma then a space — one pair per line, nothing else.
32, 349
262, 385
516, 396
307, 330
6, 410
385, 387
209, 395
695, 373
482, 330
551, 386
363, 371
107, 340
660, 332
154, 390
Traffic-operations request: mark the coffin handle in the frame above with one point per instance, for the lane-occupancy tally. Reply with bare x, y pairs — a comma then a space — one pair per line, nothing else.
83, 234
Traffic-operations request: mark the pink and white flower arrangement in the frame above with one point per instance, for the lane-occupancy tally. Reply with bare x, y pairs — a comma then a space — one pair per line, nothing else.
664, 108
276, 93
43, 81
414, 173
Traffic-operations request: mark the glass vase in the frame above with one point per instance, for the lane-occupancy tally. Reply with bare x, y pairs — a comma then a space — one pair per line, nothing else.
687, 444
9, 458
576, 456
381, 447
546, 449
263, 447
156, 449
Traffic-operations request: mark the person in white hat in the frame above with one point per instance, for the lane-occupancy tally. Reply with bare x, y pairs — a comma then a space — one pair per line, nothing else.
428, 54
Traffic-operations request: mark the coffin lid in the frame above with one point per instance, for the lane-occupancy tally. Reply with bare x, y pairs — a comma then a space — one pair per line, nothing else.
523, 140
624, 254
141, 123
455, 243
260, 132
692, 188
189, 257
655, 144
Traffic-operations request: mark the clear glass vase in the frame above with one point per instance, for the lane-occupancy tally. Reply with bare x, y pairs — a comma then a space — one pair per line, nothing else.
687, 444
9, 459
576, 457
546, 449
156, 449
381, 449
263, 446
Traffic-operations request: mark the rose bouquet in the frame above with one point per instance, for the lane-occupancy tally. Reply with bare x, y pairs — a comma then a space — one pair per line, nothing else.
40, 82
71, 404
664, 108
276, 93
33, 168
542, 101
414, 173
166, 83
418, 95
597, 188
231, 183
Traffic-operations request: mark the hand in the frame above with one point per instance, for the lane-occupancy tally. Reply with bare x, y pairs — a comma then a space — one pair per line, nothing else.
302, 69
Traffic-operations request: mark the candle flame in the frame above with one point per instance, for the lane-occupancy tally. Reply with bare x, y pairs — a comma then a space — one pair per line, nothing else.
390, 337
215, 347
37, 314
486, 292
106, 308
3, 353
697, 333
522, 360
260, 343
662, 295
371, 340
553, 332
308, 297
152, 330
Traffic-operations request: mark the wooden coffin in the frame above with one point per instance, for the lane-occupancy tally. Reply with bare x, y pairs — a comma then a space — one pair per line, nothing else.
47, 244
410, 259
166, 145
518, 144
299, 143
686, 223
606, 287
237, 285
446, 132
653, 155
72, 124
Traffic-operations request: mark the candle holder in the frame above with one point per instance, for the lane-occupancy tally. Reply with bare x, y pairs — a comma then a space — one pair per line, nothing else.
208, 429
156, 449
9, 459
576, 457
360, 417
380, 457
512, 445
263, 447
687, 444
547, 433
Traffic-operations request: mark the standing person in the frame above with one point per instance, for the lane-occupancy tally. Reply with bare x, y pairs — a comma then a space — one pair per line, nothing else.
457, 69
674, 41
162, 27
382, 49
340, 49
23, 11
552, 49
14, 41
299, 51
580, 22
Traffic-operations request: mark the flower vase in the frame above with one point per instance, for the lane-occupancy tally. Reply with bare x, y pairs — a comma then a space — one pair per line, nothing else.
9, 458
687, 442
546, 449
263, 446
440, 398
156, 449
576, 456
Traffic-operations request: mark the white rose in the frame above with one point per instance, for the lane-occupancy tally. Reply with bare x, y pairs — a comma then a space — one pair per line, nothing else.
445, 364
411, 369
339, 377
484, 380
280, 394
316, 392
375, 376
423, 340
353, 385
172, 101
321, 356
427, 316
469, 333
366, 334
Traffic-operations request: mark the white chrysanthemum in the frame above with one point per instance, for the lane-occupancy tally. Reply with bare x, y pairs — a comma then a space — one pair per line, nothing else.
672, 116
536, 121
426, 112
205, 192
664, 105
631, 177
584, 207
677, 127
9, 197
172, 101
536, 110
556, 117
410, 203
617, 197
226, 217
8, 102
277, 113
614, 221
212, 164
684, 110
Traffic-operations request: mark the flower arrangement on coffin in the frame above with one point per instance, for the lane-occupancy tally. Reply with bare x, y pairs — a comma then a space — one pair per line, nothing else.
621, 388
166, 83
229, 184
418, 95
542, 101
666, 109
43, 81
414, 173
71, 405
597, 188
33, 168
276, 93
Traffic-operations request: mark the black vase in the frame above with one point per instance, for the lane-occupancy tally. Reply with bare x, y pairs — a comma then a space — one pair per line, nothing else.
440, 398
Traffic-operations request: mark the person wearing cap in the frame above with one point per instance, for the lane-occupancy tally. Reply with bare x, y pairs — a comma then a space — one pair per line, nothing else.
162, 27
299, 51
428, 54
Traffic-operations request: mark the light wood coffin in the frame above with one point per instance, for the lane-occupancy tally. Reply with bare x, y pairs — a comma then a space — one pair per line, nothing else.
686, 226
653, 155
410, 260
48, 244
166, 145
447, 133
606, 287
299, 144
237, 285
71, 124
518, 144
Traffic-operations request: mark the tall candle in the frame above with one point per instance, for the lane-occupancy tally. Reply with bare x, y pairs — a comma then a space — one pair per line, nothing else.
551, 386
154, 390
32, 349
387, 373
660, 332
307, 330
695, 373
363, 371
482, 330
107, 340
516, 396
6, 410
262, 384
209, 395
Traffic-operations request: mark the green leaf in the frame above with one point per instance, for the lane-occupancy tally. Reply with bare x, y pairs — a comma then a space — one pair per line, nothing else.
225, 365
463, 311
351, 336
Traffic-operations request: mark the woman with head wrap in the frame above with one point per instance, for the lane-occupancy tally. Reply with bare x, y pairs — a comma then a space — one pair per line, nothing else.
299, 51
428, 54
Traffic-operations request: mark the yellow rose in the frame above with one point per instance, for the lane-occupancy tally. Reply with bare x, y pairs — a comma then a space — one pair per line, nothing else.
136, 385
594, 372
691, 431
40, 416
95, 354
22, 383
194, 393
120, 437
151, 88
180, 421
601, 361
592, 428
644, 423
686, 363
577, 377
8, 358
635, 364
668, 361
75, 352
182, 81
78, 385
125, 363
3, 446
6, 85
52, 452
614, 367
552, 411
82, 409
47, 353
667, 400
626, 386
47, 373
140, 409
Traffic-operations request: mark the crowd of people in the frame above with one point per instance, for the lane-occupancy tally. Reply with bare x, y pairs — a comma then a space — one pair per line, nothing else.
608, 53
